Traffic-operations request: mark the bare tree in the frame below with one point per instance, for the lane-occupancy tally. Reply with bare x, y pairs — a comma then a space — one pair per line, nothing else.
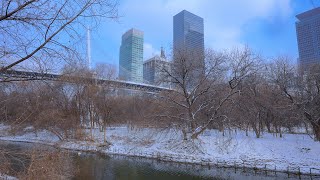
302, 91
105, 107
47, 30
103, 101
201, 92
309, 96
105, 71
250, 103
48, 165
246, 74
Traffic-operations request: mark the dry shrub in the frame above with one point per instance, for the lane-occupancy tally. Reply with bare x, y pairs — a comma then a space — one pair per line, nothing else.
46, 165
16, 129
5, 163
80, 134
146, 142
10, 161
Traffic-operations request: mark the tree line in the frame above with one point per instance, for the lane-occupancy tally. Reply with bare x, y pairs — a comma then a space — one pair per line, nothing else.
236, 89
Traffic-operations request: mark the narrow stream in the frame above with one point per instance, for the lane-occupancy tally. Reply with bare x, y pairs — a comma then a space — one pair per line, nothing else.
93, 166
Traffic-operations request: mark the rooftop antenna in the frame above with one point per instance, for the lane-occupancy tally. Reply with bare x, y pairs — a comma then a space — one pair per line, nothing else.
89, 48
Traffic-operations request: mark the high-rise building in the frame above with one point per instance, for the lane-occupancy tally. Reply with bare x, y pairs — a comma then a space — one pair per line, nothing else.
308, 37
188, 48
131, 56
188, 33
156, 69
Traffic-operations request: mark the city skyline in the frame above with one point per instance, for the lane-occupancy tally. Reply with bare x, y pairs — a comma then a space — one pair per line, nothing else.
270, 29
188, 37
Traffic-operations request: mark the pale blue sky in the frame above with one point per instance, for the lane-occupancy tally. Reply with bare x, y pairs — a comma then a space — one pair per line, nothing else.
267, 26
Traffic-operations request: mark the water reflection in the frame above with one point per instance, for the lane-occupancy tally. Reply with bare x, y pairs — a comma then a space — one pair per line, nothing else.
122, 168
102, 167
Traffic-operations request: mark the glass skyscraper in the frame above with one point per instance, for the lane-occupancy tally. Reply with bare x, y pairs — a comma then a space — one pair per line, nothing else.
188, 33
188, 48
131, 56
308, 37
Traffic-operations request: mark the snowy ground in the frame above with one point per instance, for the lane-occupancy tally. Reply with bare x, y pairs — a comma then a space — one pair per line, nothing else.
293, 150
6, 177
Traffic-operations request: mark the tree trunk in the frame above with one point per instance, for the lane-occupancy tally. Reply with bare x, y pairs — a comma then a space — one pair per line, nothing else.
268, 122
184, 132
91, 121
104, 135
261, 128
60, 136
276, 129
306, 127
268, 125
280, 131
195, 135
290, 129
316, 130
247, 129
256, 130
315, 125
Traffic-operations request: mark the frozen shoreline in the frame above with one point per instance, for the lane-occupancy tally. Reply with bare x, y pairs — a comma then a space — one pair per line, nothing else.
293, 150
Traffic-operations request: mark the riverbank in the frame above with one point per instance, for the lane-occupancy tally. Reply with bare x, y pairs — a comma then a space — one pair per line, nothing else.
6, 177
97, 166
296, 151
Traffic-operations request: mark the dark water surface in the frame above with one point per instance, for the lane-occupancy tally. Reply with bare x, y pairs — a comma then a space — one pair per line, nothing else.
123, 168
102, 167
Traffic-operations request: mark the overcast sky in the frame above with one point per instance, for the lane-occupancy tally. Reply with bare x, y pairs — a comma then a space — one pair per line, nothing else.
267, 26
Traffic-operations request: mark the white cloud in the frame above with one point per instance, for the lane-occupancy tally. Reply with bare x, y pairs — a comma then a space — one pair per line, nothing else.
225, 21
149, 51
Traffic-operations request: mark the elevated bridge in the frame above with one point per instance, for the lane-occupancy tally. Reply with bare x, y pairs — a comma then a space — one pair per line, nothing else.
14, 75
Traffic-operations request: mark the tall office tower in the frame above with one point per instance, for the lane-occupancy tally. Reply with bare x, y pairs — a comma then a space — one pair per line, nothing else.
188, 47
155, 70
131, 56
188, 33
308, 37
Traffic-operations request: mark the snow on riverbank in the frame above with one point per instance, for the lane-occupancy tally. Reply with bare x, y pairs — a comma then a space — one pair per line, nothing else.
293, 150
6, 177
